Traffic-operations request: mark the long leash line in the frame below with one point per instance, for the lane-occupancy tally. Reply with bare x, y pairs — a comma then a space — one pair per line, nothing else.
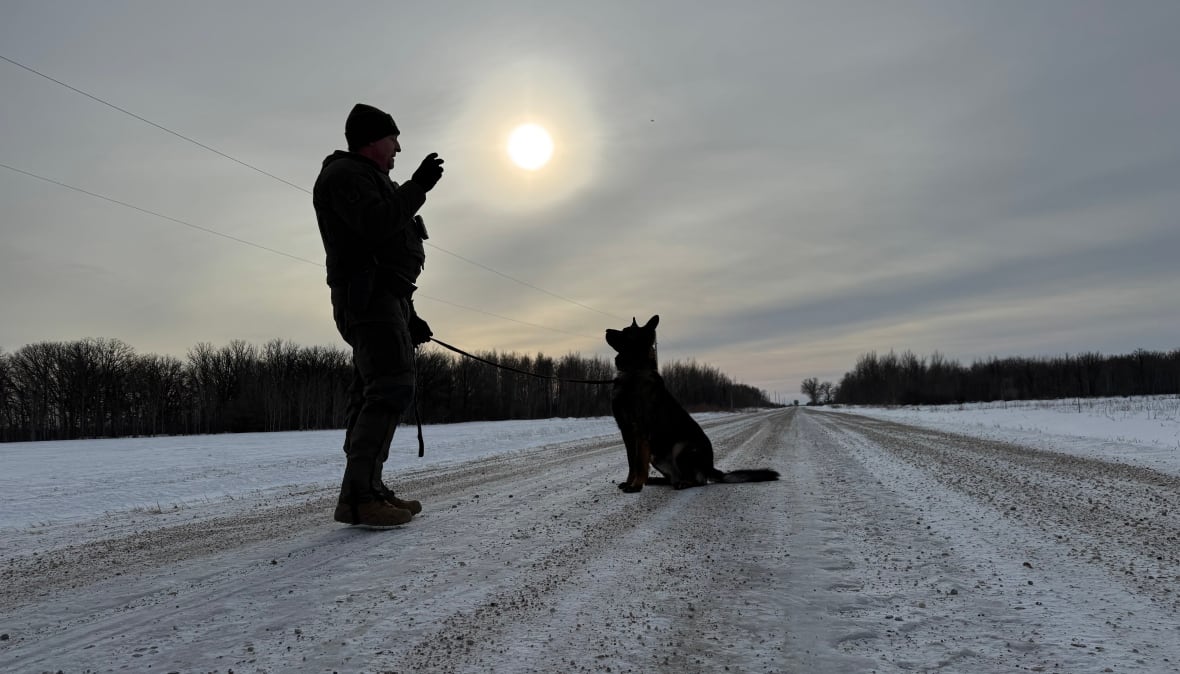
461, 352
518, 371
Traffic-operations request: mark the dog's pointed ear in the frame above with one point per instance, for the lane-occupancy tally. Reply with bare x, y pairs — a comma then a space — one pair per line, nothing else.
651, 325
634, 324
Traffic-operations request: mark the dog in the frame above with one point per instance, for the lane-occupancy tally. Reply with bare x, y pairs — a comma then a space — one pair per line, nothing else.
657, 431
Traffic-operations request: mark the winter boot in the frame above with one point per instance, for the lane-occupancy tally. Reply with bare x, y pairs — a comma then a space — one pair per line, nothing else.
360, 505
413, 506
386, 494
371, 515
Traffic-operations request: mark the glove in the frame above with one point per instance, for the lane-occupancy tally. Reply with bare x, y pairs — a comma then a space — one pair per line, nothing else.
428, 172
419, 331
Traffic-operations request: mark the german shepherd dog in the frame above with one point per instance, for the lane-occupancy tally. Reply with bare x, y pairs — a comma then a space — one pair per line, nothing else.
656, 429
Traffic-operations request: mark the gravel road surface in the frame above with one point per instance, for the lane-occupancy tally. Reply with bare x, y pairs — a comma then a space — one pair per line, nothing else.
884, 548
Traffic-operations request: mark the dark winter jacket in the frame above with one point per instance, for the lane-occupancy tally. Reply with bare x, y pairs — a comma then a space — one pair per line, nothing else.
372, 240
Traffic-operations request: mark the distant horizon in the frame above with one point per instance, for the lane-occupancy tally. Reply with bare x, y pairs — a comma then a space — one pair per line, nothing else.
770, 395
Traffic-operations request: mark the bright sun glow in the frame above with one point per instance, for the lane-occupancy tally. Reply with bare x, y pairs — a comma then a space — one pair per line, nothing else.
530, 146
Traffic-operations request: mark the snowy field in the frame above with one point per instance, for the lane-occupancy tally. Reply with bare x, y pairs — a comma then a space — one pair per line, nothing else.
1141, 430
992, 538
55, 482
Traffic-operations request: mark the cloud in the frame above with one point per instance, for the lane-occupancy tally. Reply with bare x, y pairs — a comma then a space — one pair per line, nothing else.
788, 186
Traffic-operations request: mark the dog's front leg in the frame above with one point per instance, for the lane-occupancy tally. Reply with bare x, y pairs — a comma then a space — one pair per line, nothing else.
640, 466
630, 439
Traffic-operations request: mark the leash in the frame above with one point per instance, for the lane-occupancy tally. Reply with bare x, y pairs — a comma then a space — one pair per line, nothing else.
461, 352
418, 420
524, 372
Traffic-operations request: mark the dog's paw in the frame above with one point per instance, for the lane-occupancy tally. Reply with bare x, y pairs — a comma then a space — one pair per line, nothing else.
622, 485
630, 489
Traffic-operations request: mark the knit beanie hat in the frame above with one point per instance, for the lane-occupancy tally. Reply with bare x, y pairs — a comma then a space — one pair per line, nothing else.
366, 124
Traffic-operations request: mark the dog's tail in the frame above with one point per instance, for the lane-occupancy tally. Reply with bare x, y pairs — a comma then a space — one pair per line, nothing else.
752, 475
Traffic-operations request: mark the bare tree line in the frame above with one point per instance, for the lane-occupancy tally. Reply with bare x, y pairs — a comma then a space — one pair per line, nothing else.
100, 387
907, 379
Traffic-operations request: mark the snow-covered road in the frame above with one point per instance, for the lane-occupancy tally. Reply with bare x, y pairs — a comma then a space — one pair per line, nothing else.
937, 551
885, 548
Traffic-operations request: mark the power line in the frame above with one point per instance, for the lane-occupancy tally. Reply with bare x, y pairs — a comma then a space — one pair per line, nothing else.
488, 313
148, 121
285, 182
160, 215
268, 249
526, 283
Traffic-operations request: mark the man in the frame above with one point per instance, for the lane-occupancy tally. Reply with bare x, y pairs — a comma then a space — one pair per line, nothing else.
373, 242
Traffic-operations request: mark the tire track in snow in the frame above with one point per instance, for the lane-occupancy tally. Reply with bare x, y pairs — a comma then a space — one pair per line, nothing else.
155, 586
611, 596
931, 536
25, 578
1123, 517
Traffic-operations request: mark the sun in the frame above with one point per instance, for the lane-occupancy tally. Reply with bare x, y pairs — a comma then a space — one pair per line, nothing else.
530, 147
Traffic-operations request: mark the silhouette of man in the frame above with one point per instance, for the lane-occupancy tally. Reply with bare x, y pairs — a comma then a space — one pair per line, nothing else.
373, 243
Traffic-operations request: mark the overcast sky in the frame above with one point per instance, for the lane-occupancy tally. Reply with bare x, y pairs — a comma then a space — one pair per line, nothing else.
788, 185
